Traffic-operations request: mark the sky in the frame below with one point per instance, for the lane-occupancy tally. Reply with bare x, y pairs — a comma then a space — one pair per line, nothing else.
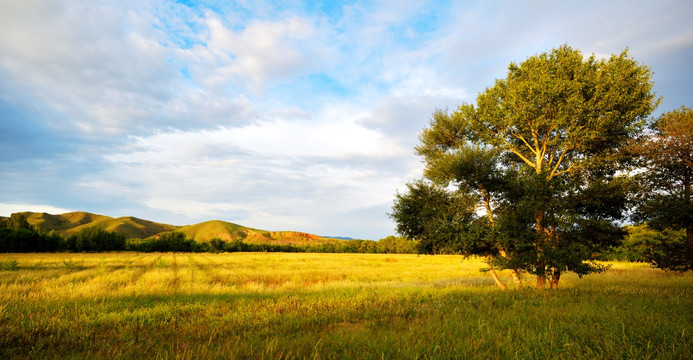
286, 115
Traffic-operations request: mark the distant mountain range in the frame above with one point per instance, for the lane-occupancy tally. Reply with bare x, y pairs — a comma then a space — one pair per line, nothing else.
71, 223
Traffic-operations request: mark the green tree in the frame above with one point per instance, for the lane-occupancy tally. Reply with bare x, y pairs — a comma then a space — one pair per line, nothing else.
17, 235
549, 139
96, 239
434, 216
645, 244
666, 199
18, 221
395, 245
445, 222
172, 241
476, 171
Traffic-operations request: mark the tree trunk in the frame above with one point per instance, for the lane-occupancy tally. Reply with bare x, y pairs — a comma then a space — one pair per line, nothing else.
517, 279
689, 243
501, 251
541, 282
514, 272
689, 227
555, 277
541, 265
494, 275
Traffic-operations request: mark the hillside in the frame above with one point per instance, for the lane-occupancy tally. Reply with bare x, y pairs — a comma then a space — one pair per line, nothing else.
71, 223
62, 223
288, 237
130, 226
216, 229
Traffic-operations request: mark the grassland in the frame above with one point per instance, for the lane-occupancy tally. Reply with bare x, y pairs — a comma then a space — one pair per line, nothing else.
323, 306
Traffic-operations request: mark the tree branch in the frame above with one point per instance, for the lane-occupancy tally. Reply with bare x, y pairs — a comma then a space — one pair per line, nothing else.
554, 173
519, 154
566, 171
533, 150
511, 148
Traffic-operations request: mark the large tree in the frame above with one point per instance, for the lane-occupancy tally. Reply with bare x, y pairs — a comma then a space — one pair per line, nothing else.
666, 199
558, 123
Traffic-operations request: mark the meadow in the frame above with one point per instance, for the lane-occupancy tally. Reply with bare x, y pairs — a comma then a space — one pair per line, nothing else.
330, 306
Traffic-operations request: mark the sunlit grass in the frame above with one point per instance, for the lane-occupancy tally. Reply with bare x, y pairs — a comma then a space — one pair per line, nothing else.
270, 305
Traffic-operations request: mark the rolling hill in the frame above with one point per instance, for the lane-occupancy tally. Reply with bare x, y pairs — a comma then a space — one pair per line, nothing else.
217, 229
71, 223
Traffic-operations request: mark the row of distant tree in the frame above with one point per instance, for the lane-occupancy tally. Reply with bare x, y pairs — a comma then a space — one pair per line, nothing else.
17, 235
641, 244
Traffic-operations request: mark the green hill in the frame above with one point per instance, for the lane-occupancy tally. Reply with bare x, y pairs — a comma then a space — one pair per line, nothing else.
62, 223
130, 226
71, 223
216, 229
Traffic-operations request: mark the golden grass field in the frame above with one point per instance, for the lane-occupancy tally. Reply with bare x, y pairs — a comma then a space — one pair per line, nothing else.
324, 306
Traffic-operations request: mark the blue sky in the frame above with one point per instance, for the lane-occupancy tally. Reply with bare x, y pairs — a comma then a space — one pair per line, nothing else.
292, 115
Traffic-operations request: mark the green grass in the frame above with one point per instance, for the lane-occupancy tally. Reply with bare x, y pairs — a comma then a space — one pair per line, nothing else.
9, 265
271, 306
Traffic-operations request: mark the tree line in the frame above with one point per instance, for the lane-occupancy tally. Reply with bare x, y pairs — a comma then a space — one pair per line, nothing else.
640, 244
541, 172
17, 235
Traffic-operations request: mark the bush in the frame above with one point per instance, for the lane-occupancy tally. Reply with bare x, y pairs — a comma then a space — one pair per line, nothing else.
172, 242
665, 249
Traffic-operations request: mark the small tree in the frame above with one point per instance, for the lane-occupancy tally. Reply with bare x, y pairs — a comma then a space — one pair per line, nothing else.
665, 198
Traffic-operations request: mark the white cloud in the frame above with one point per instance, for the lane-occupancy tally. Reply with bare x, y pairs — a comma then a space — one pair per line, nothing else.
111, 71
331, 137
7, 209
277, 173
262, 52
192, 208
87, 62
280, 137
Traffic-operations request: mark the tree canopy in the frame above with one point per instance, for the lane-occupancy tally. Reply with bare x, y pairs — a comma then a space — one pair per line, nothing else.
665, 197
539, 152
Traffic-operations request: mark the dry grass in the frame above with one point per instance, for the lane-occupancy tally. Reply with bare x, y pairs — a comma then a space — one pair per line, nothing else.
241, 305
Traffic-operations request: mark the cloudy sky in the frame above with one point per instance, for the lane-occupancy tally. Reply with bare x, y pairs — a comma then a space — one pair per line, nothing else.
288, 115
